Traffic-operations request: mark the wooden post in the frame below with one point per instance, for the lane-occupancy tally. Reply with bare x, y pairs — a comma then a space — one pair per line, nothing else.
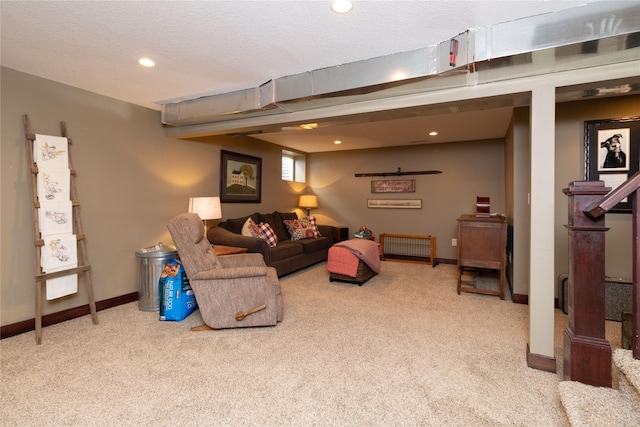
635, 327
587, 354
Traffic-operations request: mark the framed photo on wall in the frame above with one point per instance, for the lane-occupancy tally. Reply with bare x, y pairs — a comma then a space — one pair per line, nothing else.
240, 178
612, 153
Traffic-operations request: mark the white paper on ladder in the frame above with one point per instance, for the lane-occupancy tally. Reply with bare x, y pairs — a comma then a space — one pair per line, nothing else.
51, 151
55, 218
54, 184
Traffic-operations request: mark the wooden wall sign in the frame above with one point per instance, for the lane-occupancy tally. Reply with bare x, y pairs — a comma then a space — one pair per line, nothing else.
393, 186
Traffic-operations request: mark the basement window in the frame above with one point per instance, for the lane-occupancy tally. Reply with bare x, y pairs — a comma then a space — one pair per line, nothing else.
294, 166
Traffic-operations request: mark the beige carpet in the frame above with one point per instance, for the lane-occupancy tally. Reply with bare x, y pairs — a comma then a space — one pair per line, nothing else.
403, 349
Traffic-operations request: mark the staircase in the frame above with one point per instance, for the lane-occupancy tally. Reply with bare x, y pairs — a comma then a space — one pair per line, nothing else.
589, 394
587, 405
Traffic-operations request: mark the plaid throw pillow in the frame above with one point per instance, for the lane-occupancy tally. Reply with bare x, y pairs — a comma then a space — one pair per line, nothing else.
268, 234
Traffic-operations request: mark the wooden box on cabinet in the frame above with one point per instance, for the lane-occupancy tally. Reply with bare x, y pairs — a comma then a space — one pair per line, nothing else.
482, 243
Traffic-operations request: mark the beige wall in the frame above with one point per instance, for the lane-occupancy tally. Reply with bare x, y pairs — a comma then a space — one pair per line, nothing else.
570, 119
469, 169
131, 179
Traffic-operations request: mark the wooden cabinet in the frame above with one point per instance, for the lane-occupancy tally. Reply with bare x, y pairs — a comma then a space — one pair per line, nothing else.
482, 243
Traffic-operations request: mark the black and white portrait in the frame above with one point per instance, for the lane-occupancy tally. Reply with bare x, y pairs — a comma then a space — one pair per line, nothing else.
614, 146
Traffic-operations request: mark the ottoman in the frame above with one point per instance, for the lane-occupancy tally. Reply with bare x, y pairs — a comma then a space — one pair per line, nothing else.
345, 265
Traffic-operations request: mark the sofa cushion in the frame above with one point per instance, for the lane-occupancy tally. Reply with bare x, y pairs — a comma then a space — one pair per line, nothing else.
284, 250
313, 245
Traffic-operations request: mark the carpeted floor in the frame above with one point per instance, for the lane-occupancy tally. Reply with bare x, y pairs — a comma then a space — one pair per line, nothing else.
403, 349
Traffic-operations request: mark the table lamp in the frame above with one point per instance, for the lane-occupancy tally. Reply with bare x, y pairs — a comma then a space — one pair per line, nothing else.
207, 208
308, 201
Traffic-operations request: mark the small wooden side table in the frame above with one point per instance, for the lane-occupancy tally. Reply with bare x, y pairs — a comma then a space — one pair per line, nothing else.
342, 234
482, 243
221, 250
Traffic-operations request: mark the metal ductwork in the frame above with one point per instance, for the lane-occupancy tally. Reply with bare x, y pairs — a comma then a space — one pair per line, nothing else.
597, 28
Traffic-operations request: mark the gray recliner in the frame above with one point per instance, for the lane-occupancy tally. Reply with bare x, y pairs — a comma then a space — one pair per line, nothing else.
231, 290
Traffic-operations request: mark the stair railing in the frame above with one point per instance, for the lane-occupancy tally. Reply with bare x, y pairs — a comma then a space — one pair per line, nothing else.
587, 353
630, 188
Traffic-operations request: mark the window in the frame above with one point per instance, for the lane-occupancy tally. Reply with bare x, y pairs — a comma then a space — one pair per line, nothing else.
294, 166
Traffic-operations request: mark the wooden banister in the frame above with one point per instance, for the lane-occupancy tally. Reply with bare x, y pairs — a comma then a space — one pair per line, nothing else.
586, 227
613, 198
630, 188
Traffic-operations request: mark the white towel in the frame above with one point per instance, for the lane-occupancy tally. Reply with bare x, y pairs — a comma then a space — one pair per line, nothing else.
54, 184
62, 286
51, 151
55, 218
59, 252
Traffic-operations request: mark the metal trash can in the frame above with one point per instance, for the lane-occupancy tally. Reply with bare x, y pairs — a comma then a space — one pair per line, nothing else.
151, 262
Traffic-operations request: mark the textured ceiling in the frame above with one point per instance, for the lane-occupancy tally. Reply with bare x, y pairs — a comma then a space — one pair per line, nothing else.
212, 47
207, 47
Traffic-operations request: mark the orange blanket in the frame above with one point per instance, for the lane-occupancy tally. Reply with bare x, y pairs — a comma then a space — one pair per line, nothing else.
342, 261
344, 256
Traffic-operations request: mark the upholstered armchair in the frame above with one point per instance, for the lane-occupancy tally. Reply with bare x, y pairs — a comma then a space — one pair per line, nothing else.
231, 290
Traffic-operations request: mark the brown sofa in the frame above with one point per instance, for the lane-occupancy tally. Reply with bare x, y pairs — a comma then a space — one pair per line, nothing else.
288, 255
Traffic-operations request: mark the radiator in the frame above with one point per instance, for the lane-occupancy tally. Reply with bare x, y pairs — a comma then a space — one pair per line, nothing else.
408, 248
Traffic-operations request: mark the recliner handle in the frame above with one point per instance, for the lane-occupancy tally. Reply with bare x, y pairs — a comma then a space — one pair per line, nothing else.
242, 314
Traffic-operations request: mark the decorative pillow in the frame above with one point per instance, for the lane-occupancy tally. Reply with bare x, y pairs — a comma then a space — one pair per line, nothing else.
268, 234
301, 229
250, 229
235, 224
312, 220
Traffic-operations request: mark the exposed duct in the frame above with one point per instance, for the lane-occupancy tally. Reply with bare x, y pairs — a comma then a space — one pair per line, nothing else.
602, 28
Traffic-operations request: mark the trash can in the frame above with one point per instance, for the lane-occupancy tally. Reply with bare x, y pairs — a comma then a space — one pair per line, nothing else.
151, 262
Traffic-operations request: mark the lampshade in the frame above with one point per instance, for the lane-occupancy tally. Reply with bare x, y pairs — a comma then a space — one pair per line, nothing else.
308, 201
206, 207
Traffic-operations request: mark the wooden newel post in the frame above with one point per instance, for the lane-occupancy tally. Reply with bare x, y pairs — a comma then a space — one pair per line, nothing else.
587, 354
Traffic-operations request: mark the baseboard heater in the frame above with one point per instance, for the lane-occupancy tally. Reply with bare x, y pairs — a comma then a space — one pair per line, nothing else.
408, 248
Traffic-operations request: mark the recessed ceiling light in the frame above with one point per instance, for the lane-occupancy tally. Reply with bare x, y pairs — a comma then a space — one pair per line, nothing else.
337, 142
146, 62
433, 133
341, 6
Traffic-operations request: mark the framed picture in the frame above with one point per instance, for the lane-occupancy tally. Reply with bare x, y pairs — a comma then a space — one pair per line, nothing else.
240, 178
612, 153
395, 203
393, 186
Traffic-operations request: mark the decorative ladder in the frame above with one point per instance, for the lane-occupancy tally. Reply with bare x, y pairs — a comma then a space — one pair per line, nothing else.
83, 261
587, 354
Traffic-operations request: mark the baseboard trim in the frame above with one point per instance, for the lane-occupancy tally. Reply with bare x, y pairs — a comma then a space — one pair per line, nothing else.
540, 362
64, 315
520, 299
446, 261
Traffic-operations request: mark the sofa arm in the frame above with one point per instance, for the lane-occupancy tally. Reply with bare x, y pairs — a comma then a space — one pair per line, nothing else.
222, 236
328, 231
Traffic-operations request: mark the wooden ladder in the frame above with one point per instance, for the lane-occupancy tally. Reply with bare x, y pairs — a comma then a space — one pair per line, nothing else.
83, 267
